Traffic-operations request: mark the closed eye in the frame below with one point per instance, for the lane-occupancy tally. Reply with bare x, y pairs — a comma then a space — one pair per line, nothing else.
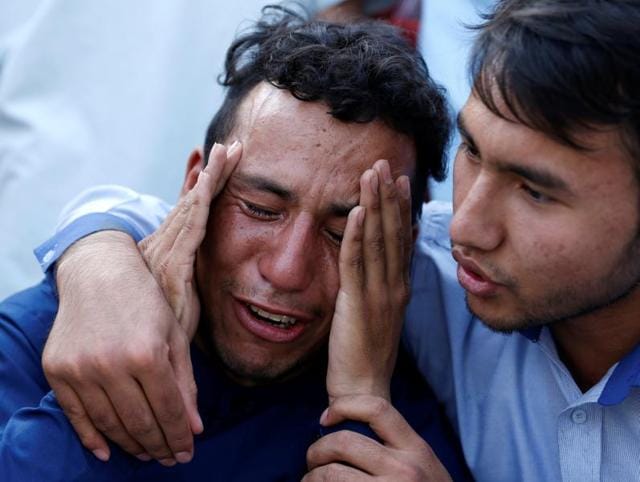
335, 237
258, 212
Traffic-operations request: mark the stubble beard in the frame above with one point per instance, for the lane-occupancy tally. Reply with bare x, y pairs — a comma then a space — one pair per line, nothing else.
236, 364
572, 302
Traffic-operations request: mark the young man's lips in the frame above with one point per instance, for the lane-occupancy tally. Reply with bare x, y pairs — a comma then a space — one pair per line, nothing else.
284, 326
473, 280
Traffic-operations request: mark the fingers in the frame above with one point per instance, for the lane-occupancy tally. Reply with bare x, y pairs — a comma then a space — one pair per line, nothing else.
350, 259
134, 413
403, 185
198, 201
335, 472
347, 447
170, 421
181, 361
189, 217
381, 416
105, 418
373, 242
75, 412
392, 229
403, 455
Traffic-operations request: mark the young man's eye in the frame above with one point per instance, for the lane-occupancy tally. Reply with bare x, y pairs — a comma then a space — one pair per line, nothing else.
259, 212
469, 150
536, 196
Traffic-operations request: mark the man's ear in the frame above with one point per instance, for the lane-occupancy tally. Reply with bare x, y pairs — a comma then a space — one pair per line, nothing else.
195, 164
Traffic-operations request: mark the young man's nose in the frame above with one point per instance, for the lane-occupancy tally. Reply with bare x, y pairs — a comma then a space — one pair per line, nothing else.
478, 220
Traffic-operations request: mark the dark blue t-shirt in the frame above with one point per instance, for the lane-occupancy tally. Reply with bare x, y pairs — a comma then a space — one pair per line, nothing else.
251, 434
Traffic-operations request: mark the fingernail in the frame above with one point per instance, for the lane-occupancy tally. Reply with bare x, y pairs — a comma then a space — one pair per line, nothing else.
405, 187
101, 455
373, 180
183, 457
144, 457
167, 462
323, 417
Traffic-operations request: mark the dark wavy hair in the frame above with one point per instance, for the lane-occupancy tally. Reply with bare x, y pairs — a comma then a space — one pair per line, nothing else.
562, 67
362, 71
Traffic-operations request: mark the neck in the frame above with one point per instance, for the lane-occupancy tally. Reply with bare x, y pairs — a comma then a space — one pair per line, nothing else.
590, 344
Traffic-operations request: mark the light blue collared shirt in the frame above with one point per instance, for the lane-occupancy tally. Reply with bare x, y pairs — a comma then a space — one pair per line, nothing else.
518, 411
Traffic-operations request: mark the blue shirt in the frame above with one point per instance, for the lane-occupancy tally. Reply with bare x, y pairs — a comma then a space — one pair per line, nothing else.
519, 413
513, 402
251, 434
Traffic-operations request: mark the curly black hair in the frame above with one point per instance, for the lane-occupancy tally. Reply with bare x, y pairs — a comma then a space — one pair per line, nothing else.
362, 71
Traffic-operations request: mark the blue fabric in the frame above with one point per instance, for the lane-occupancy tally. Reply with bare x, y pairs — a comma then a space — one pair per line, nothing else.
517, 409
251, 434
49, 251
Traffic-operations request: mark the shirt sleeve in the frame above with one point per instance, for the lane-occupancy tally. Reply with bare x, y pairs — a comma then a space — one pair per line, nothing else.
38, 443
36, 440
102, 208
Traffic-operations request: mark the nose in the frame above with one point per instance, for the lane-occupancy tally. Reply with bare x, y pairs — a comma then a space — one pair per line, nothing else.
478, 219
288, 262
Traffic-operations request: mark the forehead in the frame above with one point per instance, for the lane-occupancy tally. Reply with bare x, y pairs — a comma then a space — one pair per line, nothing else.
303, 146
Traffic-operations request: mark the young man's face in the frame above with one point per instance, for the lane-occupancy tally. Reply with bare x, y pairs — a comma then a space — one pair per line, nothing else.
267, 269
541, 232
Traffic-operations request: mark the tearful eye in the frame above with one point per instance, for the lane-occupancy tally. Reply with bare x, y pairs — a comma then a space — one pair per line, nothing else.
259, 212
335, 237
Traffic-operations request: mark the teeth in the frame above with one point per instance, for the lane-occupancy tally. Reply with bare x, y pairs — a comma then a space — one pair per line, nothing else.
283, 320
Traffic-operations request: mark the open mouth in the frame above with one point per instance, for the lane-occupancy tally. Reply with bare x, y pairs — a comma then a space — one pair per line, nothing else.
280, 321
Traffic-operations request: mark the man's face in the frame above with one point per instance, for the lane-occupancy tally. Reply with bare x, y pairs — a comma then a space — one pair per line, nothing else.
541, 232
268, 267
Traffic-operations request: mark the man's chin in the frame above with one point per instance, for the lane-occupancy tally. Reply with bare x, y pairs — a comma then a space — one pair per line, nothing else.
496, 318
254, 372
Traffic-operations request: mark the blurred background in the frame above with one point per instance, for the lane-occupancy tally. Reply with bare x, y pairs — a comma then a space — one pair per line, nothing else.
120, 92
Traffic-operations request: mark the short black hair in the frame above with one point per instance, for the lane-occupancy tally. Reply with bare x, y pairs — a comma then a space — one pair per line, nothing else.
362, 71
562, 67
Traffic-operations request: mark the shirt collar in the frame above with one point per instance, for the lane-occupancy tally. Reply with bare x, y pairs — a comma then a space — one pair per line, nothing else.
625, 376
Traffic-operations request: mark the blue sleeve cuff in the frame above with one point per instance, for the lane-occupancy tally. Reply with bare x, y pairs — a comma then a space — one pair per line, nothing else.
51, 250
358, 427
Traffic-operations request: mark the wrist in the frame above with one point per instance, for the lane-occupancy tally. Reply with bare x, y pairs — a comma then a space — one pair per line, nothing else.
98, 259
373, 387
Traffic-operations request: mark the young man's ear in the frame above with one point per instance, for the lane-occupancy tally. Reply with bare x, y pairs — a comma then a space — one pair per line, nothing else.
195, 164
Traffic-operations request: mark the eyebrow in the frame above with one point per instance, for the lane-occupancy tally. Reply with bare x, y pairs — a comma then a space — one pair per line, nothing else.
462, 129
262, 183
540, 177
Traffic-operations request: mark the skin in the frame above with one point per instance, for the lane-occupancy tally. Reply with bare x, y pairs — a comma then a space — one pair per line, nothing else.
556, 231
273, 235
278, 226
